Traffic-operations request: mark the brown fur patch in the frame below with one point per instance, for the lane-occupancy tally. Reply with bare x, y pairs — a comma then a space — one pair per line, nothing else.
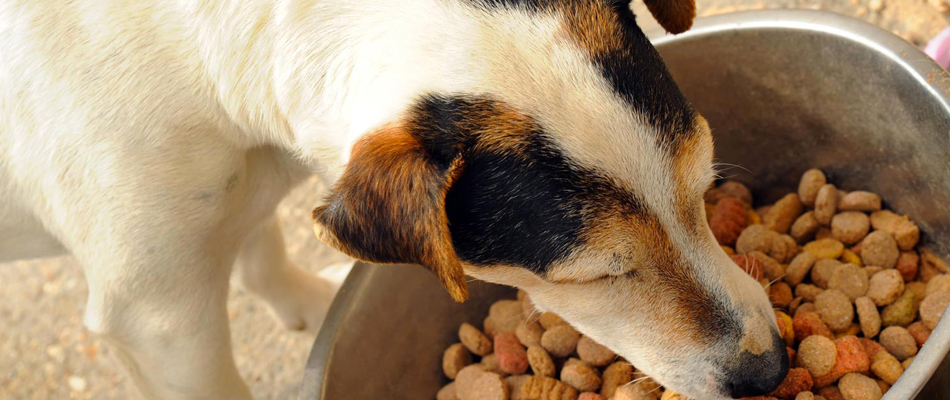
676, 16
389, 207
593, 25
692, 157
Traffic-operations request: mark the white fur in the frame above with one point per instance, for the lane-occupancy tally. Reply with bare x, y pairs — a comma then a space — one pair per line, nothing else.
152, 140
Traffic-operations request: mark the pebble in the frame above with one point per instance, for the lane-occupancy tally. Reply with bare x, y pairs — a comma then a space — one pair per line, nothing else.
77, 384
885, 287
869, 317
850, 227
849, 279
899, 342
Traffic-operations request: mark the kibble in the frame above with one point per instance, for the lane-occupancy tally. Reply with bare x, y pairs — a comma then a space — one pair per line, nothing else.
755, 238
859, 387
905, 232
860, 201
868, 316
580, 376
853, 276
886, 367
560, 340
616, 375
812, 180
900, 312
825, 248
594, 353
933, 307
879, 249
804, 227
529, 333
899, 342
849, 279
835, 309
822, 271
826, 203
850, 227
785, 211
540, 361
885, 287
816, 354
474, 340
454, 359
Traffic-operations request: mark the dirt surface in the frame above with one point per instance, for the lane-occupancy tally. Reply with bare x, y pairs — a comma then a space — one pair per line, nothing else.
46, 354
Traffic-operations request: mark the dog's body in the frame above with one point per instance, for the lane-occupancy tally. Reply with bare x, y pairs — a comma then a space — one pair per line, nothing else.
153, 140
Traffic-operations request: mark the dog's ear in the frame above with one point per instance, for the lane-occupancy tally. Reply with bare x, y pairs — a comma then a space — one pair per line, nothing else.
389, 205
676, 16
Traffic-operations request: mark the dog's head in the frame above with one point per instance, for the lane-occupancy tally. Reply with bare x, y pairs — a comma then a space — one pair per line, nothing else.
569, 165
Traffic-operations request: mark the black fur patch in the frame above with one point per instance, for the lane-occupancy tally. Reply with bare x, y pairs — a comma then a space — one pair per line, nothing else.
640, 77
522, 208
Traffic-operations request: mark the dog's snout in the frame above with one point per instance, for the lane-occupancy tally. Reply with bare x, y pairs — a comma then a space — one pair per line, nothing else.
757, 374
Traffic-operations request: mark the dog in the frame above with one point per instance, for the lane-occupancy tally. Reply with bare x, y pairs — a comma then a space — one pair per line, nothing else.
537, 144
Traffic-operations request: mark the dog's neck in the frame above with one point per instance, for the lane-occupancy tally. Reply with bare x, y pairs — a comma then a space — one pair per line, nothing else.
313, 76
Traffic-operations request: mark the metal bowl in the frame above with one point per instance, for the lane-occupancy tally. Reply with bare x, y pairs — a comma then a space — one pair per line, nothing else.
783, 91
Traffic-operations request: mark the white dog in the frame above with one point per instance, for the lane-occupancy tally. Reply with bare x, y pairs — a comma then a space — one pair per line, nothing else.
539, 144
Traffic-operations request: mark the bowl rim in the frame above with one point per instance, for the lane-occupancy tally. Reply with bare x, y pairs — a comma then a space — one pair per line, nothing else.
910, 58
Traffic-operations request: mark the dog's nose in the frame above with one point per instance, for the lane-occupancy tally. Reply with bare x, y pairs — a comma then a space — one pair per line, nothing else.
757, 375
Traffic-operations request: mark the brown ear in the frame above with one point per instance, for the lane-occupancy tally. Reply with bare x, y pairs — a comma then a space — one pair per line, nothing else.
389, 206
676, 16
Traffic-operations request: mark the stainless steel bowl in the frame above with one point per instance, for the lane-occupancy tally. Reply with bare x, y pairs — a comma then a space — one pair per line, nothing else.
783, 91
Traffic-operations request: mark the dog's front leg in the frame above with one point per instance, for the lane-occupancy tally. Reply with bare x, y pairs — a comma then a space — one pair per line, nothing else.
300, 300
168, 323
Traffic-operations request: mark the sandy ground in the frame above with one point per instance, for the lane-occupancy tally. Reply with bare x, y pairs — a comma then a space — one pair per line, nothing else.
46, 354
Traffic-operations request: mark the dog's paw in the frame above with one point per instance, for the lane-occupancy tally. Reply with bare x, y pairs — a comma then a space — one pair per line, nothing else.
302, 300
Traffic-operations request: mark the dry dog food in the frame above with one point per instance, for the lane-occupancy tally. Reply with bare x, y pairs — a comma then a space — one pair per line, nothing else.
855, 298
